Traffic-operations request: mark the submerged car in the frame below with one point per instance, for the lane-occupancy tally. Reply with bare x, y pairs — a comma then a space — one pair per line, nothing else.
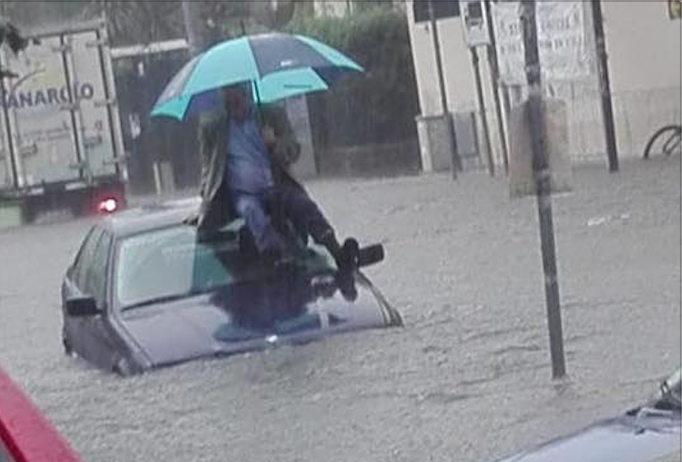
147, 291
649, 433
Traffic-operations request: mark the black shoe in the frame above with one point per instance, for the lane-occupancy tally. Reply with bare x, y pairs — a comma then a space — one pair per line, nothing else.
346, 284
347, 256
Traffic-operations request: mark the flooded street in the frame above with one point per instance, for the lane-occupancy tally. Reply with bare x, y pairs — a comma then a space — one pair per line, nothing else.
466, 379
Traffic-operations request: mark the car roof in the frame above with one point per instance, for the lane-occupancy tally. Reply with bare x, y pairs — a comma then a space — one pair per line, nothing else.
149, 217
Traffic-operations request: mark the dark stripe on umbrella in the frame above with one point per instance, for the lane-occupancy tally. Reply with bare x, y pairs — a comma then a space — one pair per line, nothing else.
280, 52
331, 75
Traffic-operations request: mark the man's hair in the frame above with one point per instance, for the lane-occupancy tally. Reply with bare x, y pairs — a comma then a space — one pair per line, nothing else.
242, 88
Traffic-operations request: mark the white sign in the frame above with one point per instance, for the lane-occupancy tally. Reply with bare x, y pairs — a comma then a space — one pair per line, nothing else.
562, 41
475, 22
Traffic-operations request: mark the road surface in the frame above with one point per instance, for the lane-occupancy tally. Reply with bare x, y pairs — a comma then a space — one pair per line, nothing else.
466, 379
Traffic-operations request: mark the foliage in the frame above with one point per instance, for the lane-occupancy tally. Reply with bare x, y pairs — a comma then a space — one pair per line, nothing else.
132, 22
379, 106
10, 36
146, 21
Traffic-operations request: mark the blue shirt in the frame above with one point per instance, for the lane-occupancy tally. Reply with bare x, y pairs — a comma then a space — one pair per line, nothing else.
248, 164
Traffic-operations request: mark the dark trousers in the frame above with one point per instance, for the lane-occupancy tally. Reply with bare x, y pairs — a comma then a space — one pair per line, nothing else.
266, 212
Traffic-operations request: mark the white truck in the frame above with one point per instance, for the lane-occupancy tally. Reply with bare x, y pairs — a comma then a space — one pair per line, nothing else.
61, 144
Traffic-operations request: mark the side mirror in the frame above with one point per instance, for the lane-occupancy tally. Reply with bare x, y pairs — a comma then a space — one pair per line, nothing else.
370, 255
79, 307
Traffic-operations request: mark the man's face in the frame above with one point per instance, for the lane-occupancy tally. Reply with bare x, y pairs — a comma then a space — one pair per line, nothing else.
237, 102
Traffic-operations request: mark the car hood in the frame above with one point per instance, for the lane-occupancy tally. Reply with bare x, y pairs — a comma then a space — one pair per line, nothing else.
647, 436
253, 316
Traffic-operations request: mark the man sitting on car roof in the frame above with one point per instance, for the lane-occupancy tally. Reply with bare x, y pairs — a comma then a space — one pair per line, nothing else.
245, 151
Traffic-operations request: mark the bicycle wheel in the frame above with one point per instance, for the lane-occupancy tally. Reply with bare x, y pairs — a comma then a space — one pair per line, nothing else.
665, 141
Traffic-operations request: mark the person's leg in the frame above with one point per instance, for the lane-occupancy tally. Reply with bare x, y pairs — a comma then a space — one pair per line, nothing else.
308, 219
297, 206
252, 209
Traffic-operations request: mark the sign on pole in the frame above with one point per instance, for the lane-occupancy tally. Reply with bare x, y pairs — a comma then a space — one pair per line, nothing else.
562, 41
475, 20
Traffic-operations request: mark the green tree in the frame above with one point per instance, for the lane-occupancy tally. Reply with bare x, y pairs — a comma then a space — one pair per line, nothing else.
381, 104
12, 38
139, 21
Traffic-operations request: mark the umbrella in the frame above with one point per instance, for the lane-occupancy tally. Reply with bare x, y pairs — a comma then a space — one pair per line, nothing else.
278, 66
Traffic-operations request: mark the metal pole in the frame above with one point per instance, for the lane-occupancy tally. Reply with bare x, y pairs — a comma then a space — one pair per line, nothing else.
495, 80
456, 161
605, 86
481, 105
542, 178
190, 17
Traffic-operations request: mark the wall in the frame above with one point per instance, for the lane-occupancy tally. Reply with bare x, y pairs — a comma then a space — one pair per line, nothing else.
456, 64
459, 74
643, 44
644, 59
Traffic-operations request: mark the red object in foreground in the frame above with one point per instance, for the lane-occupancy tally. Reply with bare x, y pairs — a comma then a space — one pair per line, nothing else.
25, 432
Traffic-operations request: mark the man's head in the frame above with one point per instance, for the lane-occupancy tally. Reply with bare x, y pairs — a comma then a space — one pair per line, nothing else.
238, 101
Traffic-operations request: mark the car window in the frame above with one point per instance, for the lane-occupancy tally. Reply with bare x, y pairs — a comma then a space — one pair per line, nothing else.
96, 279
84, 258
172, 262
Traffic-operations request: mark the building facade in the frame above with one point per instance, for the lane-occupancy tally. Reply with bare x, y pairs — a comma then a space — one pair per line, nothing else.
643, 46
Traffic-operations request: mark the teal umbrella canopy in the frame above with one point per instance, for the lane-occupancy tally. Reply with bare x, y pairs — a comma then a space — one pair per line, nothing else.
277, 65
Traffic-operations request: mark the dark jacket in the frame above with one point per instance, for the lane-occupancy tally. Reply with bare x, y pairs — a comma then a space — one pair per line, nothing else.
216, 204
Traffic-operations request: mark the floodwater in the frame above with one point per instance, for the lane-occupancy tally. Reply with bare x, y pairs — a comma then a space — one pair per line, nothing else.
468, 377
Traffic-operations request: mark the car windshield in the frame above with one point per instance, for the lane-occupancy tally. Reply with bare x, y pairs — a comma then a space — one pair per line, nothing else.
172, 263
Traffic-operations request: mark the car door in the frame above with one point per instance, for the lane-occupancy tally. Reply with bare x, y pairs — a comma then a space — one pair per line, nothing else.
97, 336
74, 286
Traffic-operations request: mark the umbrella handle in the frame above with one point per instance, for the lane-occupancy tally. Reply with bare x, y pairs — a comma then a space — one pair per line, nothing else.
258, 111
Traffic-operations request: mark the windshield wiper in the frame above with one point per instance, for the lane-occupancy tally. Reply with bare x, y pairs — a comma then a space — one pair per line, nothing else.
163, 299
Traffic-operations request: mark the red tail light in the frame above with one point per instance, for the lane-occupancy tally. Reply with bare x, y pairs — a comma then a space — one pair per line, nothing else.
108, 205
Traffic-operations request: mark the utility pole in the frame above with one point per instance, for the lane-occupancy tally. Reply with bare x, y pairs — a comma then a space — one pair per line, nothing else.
538, 132
193, 26
481, 105
495, 80
456, 161
605, 86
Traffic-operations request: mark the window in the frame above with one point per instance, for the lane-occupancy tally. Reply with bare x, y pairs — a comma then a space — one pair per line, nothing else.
173, 262
96, 280
90, 271
84, 259
441, 9
170, 262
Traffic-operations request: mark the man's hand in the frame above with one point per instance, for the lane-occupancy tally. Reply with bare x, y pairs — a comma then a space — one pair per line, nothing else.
269, 136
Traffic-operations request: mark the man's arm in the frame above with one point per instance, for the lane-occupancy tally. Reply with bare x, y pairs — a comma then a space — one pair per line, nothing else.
285, 148
206, 135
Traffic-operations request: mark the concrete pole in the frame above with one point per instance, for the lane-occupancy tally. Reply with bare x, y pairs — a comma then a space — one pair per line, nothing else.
481, 106
193, 26
456, 161
538, 131
605, 86
495, 81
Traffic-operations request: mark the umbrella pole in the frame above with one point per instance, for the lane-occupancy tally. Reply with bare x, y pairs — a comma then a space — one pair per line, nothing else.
260, 117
